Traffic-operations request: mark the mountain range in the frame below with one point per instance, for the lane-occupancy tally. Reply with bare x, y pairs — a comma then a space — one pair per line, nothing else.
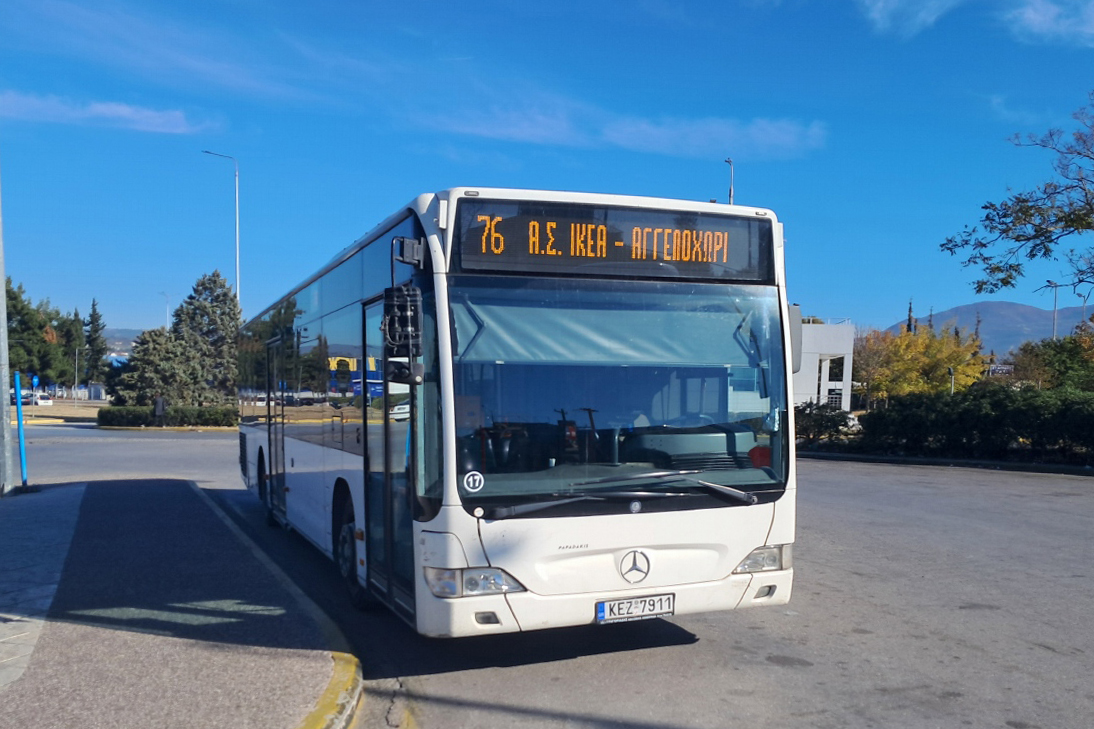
120, 341
1004, 326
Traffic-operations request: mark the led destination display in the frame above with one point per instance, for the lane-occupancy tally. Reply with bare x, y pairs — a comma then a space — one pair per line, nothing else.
542, 237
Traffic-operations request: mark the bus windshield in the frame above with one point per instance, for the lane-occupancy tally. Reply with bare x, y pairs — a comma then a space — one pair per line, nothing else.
584, 396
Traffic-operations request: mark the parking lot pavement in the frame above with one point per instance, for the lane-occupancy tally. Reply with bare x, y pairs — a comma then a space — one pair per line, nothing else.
132, 603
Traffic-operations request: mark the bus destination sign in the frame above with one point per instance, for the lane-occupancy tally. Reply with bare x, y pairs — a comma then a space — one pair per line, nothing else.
551, 237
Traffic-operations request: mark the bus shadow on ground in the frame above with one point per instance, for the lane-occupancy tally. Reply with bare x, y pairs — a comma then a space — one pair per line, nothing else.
389, 648
150, 556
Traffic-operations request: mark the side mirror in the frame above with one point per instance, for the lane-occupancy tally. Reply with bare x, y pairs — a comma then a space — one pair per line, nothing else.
402, 328
402, 324
795, 337
404, 373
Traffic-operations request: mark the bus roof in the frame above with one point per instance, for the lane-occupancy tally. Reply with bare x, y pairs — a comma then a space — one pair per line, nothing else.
422, 203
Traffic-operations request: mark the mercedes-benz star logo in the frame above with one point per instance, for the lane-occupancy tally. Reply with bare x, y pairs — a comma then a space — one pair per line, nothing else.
634, 566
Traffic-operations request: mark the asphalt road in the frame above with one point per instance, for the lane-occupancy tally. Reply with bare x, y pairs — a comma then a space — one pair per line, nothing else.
925, 597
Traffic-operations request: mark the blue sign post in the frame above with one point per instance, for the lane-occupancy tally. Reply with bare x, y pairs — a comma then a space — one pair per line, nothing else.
22, 433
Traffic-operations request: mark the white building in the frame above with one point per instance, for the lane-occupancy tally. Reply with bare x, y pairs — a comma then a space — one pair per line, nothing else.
827, 351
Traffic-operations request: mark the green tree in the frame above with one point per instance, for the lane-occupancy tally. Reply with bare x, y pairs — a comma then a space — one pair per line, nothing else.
159, 363
207, 324
194, 362
70, 337
891, 365
95, 356
1030, 225
1067, 362
41, 339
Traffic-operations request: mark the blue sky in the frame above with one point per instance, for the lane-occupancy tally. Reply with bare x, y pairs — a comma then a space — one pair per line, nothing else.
874, 129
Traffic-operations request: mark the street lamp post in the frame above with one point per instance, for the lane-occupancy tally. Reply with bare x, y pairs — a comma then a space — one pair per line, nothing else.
236, 165
1055, 289
729, 162
76, 374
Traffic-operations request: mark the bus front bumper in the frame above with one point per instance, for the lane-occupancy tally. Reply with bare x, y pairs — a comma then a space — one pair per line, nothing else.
524, 611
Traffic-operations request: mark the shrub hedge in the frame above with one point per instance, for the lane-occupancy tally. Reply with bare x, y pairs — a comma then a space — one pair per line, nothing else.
816, 422
135, 416
986, 421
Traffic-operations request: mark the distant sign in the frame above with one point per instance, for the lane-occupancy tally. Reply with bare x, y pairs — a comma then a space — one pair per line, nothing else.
34, 381
1000, 370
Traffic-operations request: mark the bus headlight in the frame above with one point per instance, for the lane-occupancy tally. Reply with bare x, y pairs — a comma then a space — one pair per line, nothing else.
766, 559
469, 582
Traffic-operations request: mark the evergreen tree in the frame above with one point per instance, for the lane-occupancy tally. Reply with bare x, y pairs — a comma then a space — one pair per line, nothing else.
97, 348
207, 325
158, 363
39, 337
194, 362
26, 331
70, 334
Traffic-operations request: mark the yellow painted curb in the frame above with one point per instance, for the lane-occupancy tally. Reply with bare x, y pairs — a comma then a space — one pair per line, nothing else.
336, 705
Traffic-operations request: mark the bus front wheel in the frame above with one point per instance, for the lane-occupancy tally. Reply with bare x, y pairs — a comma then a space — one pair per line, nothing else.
345, 555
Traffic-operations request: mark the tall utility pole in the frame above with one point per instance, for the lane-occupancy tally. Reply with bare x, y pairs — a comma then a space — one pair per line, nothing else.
7, 466
236, 164
729, 162
1055, 288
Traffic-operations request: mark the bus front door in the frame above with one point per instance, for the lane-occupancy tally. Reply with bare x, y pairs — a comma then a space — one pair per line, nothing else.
275, 401
389, 480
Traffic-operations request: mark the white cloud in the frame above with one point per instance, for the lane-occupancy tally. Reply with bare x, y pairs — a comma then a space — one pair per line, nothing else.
1068, 21
713, 137
533, 124
14, 105
1001, 107
557, 121
157, 46
905, 17
551, 119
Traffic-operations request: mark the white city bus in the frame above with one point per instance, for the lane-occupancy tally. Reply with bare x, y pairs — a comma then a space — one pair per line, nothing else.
548, 409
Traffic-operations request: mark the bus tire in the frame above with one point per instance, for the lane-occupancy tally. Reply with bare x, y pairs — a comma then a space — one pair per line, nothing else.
345, 555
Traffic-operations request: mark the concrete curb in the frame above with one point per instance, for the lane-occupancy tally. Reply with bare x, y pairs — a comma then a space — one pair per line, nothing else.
336, 706
39, 421
174, 428
950, 463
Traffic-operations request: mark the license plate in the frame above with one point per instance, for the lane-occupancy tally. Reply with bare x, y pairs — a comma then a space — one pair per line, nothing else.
635, 608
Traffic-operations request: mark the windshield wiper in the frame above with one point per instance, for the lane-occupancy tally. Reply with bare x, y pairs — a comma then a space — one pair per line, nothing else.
569, 497
681, 475
622, 478
744, 496
505, 512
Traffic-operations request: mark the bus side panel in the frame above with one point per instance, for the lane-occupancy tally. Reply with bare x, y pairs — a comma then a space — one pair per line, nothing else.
308, 492
253, 439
